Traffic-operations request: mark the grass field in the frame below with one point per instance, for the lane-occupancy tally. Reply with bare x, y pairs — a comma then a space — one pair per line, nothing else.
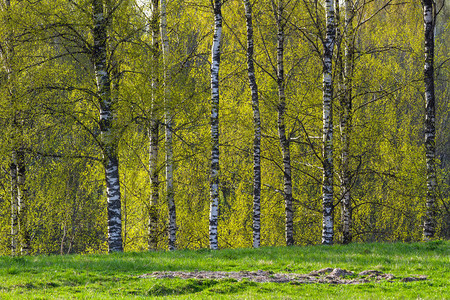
116, 276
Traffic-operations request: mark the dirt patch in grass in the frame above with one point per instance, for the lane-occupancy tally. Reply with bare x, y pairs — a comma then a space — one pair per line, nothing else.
327, 275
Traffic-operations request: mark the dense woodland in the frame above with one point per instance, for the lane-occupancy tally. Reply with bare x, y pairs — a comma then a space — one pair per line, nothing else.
153, 124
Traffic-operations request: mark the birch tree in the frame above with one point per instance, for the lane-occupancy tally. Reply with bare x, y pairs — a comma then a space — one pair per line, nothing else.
429, 17
154, 130
22, 193
327, 185
257, 128
345, 122
7, 53
20, 231
214, 175
14, 205
108, 135
279, 9
169, 124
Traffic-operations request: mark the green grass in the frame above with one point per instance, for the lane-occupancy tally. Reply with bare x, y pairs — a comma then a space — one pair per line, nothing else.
115, 276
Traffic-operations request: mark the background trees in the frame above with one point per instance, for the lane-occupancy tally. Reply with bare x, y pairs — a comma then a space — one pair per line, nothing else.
380, 176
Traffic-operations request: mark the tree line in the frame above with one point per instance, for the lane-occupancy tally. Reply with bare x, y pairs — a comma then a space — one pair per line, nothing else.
132, 125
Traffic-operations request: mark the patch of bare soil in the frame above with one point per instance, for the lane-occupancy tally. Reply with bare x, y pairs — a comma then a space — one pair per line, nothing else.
327, 275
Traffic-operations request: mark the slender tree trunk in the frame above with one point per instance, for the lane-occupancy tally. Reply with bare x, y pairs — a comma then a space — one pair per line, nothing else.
108, 137
7, 53
281, 109
168, 131
327, 187
346, 125
257, 128
20, 230
214, 176
154, 133
154, 185
429, 14
169, 184
24, 228
14, 204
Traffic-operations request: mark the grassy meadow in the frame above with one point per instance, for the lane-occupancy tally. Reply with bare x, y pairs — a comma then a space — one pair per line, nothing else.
116, 276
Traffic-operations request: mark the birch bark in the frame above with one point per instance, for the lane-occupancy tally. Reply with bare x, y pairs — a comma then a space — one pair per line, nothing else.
7, 52
22, 193
429, 15
256, 126
20, 231
168, 130
14, 204
154, 184
108, 138
327, 186
214, 176
281, 110
346, 124
24, 230
154, 132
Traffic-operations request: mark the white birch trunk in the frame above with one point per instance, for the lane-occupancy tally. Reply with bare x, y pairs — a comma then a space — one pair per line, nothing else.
168, 132
346, 124
22, 193
429, 15
214, 176
327, 186
154, 133
284, 140
108, 138
257, 128
20, 231
154, 185
14, 205
7, 53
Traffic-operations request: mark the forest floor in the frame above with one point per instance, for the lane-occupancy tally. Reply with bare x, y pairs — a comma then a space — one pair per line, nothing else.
356, 271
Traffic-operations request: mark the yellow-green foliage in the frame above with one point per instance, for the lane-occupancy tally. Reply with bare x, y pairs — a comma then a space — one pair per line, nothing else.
55, 90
